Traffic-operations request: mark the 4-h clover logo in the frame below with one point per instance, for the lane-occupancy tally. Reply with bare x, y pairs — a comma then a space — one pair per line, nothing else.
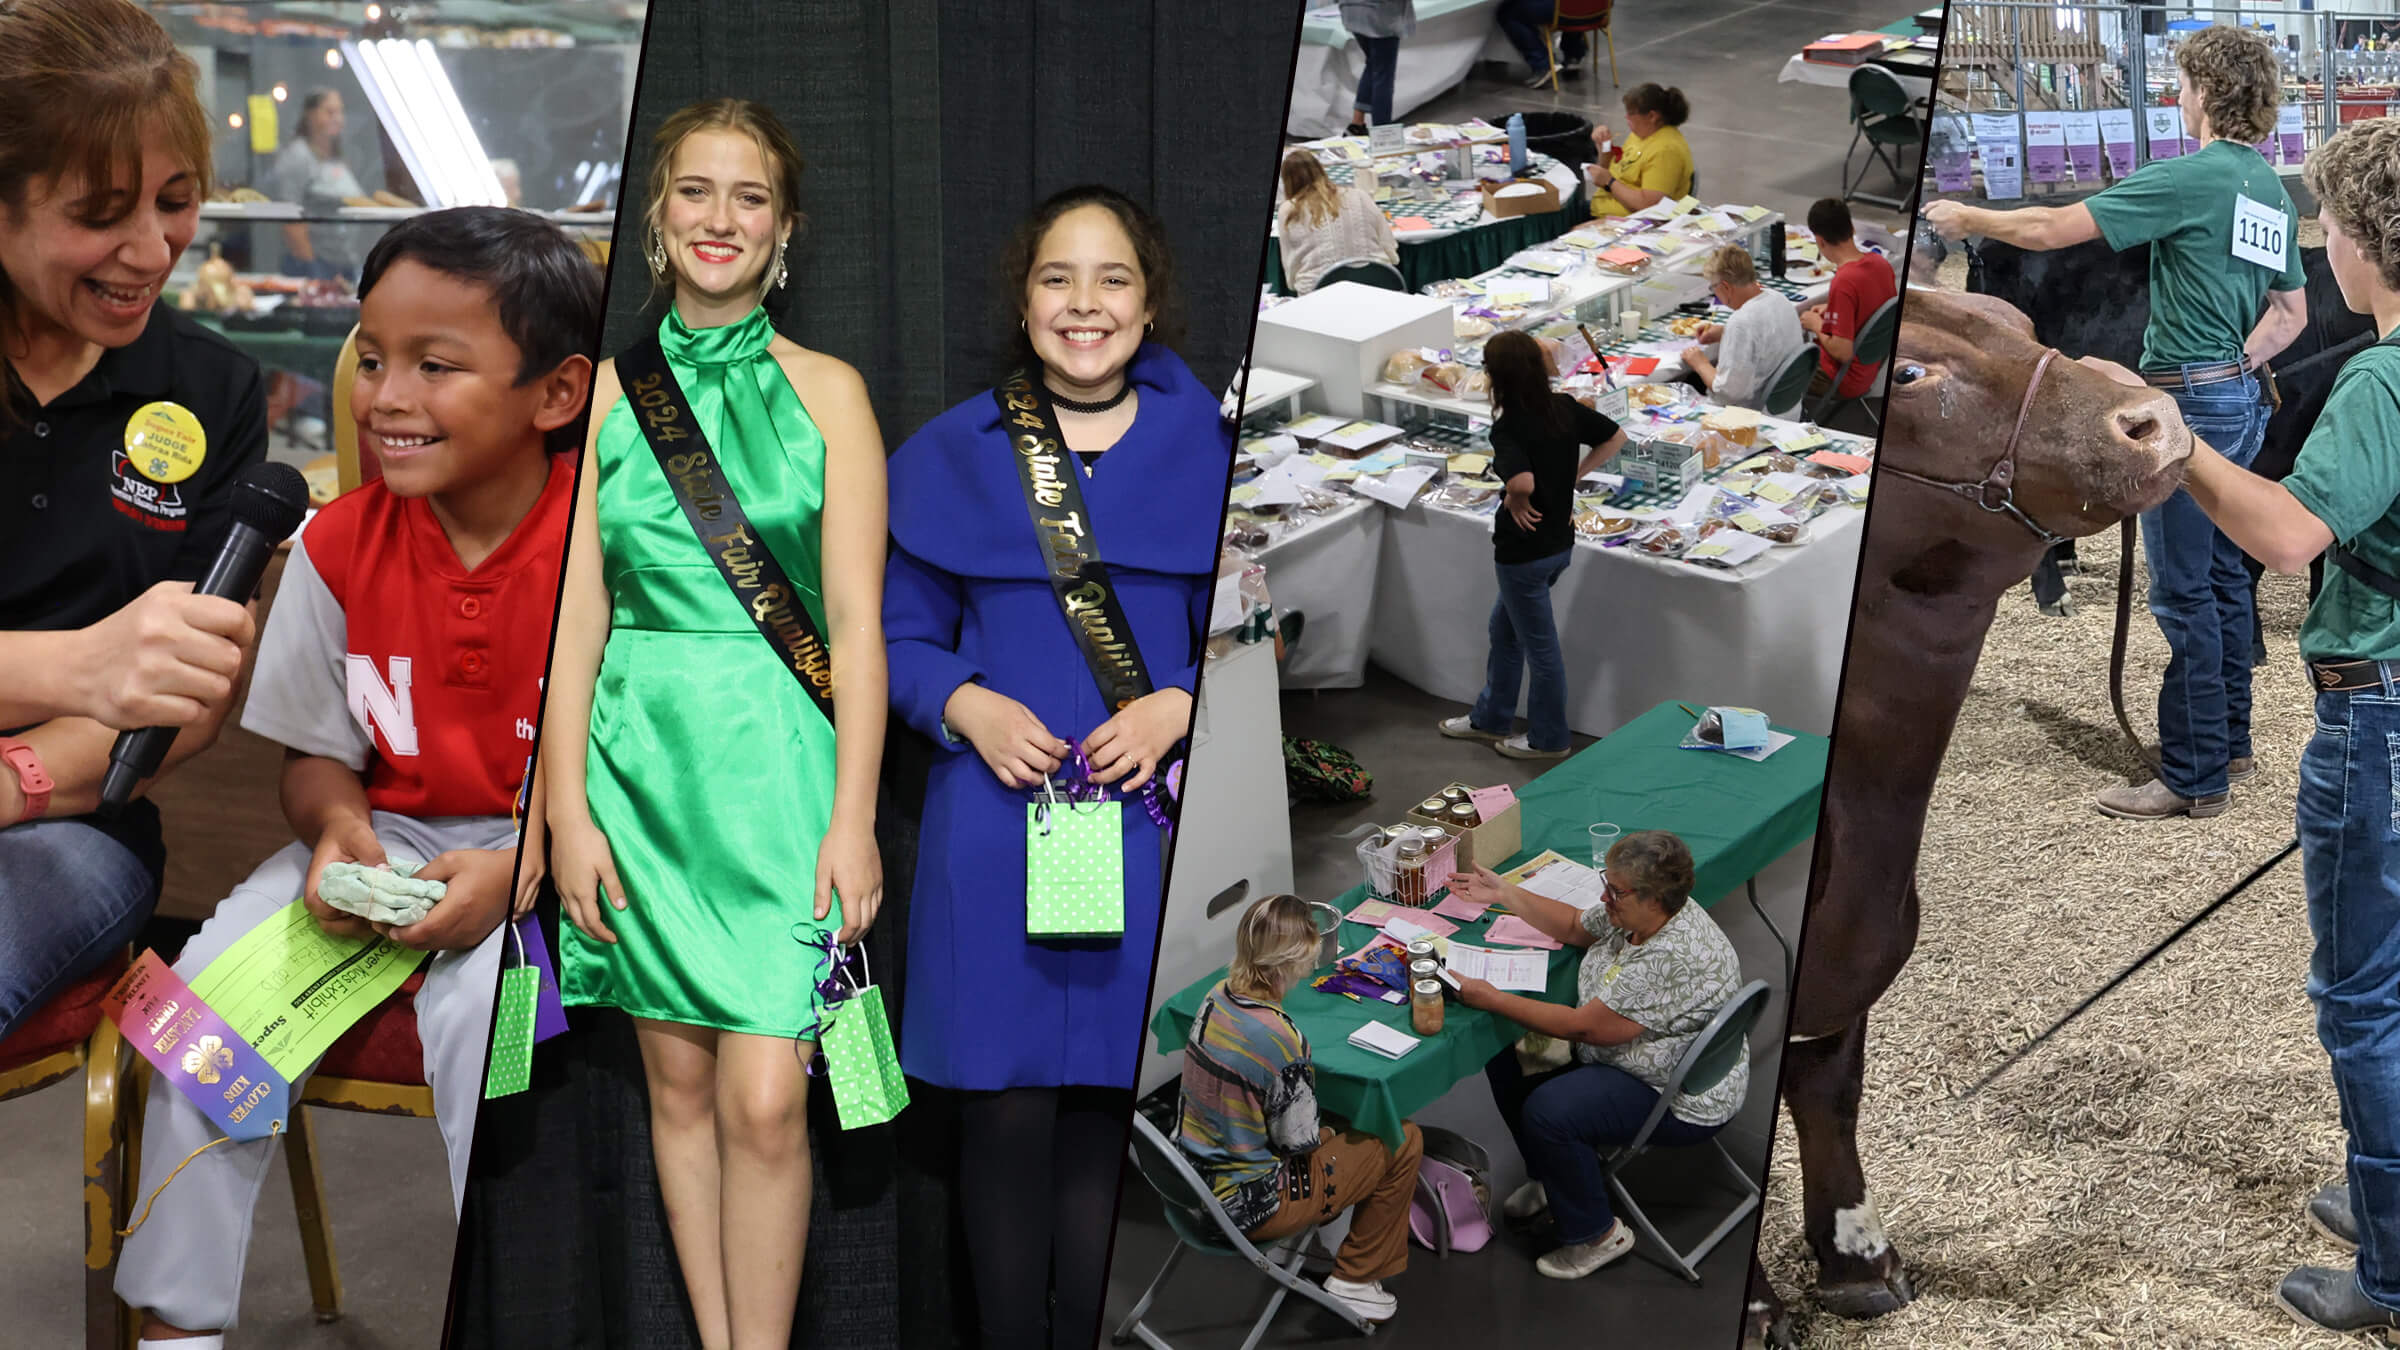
204, 1059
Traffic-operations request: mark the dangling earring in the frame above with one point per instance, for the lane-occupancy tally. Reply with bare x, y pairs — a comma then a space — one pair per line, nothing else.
782, 273
657, 255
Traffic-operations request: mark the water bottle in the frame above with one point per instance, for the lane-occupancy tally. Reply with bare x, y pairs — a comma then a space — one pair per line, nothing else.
1516, 145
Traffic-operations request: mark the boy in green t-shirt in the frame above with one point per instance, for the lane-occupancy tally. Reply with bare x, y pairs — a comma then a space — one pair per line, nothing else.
2344, 494
2223, 248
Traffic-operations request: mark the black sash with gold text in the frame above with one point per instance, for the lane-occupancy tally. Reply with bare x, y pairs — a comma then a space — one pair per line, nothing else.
715, 514
1054, 497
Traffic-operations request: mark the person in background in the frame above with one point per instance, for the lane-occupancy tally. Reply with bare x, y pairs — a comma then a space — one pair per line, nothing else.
2222, 304
1537, 434
1250, 1125
1377, 26
1522, 21
310, 170
1322, 224
1655, 972
1863, 282
2343, 495
1654, 164
104, 161
1753, 343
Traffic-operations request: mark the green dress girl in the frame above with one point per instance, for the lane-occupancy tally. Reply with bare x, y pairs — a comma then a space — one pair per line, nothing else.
711, 771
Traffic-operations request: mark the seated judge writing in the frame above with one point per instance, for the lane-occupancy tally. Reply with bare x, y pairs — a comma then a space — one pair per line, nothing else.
1249, 1121
1753, 343
1655, 970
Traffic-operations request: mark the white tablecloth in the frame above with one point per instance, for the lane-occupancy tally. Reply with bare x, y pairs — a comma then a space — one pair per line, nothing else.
1451, 36
1804, 71
1327, 572
1637, 630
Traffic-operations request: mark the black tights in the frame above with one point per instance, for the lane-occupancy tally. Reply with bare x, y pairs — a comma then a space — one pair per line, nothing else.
1038, 1176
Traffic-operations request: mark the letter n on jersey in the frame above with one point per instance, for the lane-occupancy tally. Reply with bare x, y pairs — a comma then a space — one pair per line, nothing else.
388, 709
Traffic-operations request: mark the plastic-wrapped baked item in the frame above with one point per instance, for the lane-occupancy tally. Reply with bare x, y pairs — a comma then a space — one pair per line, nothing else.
1468, 326
1715, 450
1442, 375
1604, 525
1404, 366
1738, 425
1450, 289
1242, 532
1774, 461
1665, 541
1473, 384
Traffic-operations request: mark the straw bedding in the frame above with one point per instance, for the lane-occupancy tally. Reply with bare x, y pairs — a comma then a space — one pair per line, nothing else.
2139, 1181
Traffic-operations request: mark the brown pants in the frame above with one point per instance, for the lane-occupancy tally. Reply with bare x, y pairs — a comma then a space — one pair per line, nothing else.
1350, 1168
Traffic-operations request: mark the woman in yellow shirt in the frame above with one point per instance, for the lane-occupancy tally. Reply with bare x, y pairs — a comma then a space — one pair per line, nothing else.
1656, 162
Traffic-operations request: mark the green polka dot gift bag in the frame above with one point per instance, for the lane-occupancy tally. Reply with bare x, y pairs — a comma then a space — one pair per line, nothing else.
1074, 863
854, 1043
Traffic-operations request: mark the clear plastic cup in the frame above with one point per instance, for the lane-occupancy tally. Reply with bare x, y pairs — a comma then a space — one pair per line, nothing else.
1604, 838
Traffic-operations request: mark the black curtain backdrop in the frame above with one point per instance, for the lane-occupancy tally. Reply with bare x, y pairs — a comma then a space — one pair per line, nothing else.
928, 130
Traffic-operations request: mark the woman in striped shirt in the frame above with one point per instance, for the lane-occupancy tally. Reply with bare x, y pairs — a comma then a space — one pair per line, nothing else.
1250, 1123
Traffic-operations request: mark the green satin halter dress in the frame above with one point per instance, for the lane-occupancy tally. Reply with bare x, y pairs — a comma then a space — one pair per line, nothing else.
711, 771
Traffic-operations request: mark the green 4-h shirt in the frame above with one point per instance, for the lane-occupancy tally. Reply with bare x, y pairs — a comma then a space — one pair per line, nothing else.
2204, 300
2348, 475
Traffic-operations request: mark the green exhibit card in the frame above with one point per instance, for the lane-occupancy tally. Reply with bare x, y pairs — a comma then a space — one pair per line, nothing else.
291, 989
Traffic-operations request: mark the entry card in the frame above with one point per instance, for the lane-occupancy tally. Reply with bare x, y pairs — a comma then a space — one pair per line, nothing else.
292, 989
1623, 257
1373, 913
1491, 801
1509, 930
1410, 926
1406, 223
1524, 972
2261, 234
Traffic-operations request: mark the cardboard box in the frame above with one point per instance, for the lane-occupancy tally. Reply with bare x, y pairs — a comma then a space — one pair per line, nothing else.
1490, 844
1519, 204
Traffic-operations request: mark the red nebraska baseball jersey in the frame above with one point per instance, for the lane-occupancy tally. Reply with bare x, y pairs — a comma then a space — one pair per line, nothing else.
381, 651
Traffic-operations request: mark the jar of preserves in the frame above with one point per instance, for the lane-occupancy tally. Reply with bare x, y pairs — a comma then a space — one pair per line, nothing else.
1425, 1007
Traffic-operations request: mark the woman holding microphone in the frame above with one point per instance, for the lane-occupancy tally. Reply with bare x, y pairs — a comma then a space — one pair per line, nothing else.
104, 160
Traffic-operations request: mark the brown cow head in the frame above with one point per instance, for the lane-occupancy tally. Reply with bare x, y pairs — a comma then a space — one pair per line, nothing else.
2093, 450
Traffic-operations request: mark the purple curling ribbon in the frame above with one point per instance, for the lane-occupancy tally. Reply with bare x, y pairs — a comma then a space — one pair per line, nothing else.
1074, 784
831, 990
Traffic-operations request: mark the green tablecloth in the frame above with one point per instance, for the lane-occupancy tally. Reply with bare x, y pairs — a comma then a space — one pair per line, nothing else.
1737, 817
1465, 252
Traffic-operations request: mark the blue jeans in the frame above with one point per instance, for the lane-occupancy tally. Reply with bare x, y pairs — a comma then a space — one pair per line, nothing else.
1522, 21
69, 897
1523, 632
2349, 822
1374, 102
2201, 596
1561, 1119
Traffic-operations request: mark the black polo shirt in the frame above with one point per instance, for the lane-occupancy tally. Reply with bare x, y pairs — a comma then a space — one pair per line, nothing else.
82, 532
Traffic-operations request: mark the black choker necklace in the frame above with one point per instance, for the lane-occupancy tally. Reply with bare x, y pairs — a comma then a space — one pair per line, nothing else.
1096, 406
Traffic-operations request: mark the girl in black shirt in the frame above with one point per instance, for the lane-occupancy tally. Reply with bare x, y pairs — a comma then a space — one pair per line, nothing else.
1536, 440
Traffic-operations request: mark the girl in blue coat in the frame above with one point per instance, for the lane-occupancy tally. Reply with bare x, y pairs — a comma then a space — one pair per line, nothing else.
1041, 1037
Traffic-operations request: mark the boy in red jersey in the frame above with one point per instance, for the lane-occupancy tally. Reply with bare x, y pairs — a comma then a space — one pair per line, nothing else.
401, 670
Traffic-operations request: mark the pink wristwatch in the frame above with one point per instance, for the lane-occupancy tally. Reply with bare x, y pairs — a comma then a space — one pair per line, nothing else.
31, 775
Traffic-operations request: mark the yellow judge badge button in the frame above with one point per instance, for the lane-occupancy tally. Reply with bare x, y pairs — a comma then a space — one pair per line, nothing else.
165, 442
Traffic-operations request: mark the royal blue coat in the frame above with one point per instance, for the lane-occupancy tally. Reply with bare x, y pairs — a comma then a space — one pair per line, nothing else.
967, 598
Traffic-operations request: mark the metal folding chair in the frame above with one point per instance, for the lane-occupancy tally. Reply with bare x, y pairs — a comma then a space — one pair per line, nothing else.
1202, 1225
1886, 119
1873, 347
1702, 1067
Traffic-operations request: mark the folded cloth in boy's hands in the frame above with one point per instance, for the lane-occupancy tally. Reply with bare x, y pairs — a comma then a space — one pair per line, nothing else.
380, 895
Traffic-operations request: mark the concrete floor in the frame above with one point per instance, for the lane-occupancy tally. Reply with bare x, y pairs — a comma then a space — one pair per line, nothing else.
1754, 141
1494, 1292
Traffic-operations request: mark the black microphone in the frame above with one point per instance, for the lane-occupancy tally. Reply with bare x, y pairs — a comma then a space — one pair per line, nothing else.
268, 502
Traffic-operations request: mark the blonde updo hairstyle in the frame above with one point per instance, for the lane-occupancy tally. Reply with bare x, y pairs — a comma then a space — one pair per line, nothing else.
1274, 947
775, 146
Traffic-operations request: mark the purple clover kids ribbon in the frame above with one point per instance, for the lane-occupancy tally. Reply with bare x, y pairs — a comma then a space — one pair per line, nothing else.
1074, 784
831, 990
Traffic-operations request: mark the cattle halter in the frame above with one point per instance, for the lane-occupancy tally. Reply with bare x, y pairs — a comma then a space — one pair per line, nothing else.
1997, 492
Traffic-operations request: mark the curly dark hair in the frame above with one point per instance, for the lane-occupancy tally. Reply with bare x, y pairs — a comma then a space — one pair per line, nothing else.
2356, 178
1150, 251
2240, 80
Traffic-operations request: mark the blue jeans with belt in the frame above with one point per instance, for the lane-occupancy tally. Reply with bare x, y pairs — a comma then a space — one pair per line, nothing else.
70, 896
2349, 825
1523, 633
2201, 596
1374, 102
1563, 1118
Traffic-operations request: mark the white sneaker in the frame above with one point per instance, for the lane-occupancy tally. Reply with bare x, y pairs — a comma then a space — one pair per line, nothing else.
1576, 1260
1462, 728
1370, 1300
1518, 747
1539, 79
1526, 1201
